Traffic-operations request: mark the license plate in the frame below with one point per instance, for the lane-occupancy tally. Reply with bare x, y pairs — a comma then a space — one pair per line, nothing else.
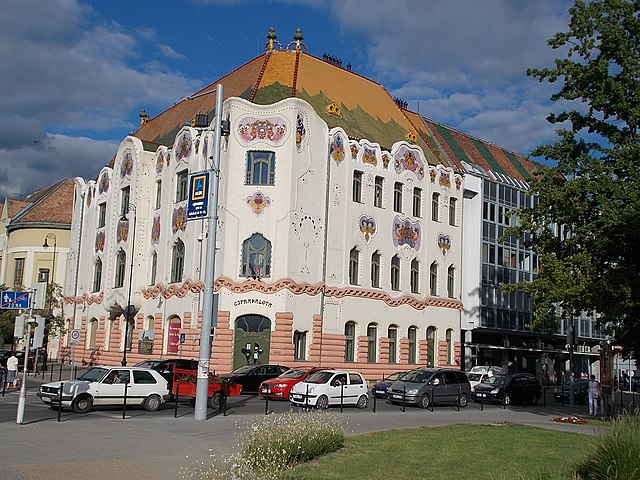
396, 396
297, 397
264, 390
46, 399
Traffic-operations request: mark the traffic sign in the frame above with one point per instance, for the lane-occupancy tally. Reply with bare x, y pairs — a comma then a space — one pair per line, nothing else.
75, 336
14, 300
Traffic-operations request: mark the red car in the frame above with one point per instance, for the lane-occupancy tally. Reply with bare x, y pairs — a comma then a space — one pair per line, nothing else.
279, 387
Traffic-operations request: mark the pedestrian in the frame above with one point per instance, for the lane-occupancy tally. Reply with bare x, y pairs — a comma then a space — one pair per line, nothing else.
12, 370
595, 392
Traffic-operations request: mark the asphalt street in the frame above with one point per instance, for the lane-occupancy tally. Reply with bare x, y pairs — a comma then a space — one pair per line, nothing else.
164, 444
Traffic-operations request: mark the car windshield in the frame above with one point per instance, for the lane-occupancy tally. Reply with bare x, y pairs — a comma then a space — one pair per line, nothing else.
474, 377
395, 376
245, 369
93, 374
147, 363
416, 376
293, 374
319, 377
495, 380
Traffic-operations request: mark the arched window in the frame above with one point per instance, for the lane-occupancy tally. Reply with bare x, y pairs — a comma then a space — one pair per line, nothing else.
417, 202
121, 261
375, 269
154, 268
415, 276
397, 197
372, 342
261, 168
350, 341
300, 345
357, 186
92, 329
97, 275
431, 346
354, 265
449, 337
433, 279
395, 273
452, 211
451, 281
412, 337
177, 261
392, 334
378, 189
435, 207
256, 257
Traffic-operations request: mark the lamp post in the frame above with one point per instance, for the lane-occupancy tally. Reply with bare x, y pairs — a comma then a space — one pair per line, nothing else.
129, 309
51, 236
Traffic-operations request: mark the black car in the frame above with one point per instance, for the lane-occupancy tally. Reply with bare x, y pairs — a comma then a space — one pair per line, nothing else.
166, 367
379, 389
580, 391
251, 376
508, 389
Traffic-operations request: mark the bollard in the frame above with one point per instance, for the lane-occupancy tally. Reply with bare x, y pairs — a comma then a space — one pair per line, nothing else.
404, 399
482, 404
50, 372
306, 398
224, 397
60, 376
544, 397
459, 395
374, 403
266, 401
341, 396
60, 401
504, 400
175, 406
124, 404
431, 399
3, 376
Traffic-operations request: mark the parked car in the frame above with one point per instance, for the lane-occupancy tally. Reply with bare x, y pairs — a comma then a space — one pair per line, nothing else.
476, 378
105, 386
148, 363
492, 369
331, 387
251, 376
424, 386
379, 389
167, 367
509, 388
580, 391
280, 386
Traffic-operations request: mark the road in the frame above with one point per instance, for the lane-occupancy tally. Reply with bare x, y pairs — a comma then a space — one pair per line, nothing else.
155, 445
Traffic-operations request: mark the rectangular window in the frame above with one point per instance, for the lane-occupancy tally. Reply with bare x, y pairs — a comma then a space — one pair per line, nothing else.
375, 270
102, 215
372, 339
452, 211
158, 194
182, 186
417, 202
412, 344
43, 275
18, 273
378, 191
395, 273
261, 166
354, 266
124, 200
356, 194
393, 344
397, 197
300, 345
97, 276
435, 207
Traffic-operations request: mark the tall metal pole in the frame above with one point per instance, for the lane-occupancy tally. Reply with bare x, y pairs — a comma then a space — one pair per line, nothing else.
127, 314
210, 307
75, 282
22, 400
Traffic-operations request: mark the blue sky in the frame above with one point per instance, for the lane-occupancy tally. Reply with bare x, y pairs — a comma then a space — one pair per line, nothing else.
75, 73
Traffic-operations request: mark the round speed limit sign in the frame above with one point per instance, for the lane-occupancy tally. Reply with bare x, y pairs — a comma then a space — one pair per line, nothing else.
75, 336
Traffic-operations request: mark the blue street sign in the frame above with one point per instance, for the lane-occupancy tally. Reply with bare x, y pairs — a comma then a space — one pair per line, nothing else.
198, 195
14, 300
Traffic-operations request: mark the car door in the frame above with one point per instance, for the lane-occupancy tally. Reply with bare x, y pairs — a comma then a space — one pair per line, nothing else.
110, 390
438, 386
452, 385
355, 388
337, 388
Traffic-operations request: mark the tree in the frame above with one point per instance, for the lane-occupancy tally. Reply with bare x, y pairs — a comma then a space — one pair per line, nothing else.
586, 224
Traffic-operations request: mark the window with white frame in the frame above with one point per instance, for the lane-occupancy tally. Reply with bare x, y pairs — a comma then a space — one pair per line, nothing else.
125, 194
349, 341
433, 279
102, 215
354, 265
300, 345
397, 197
417, 202
121, 261
158, 194
395, 273
356, 193
375, 269
431, 346
412, 343
449, 338
378, 191
435, 207
177, 261
97, 275
154, 268
256, 257
452, 211
415, 276
392, 334
182, 185
372, 342
451, 281
261, 168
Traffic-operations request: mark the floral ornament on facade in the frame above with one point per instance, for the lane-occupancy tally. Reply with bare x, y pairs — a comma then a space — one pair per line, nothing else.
433, 174
99, 245
336, 149
458, 181
406, 232
368, 227
258, 202
334, 109
167, 157
301, 132
127, 164
411, 137
369, 156
445, 180
386, 158
179, 220
155, 231
122, 232
197, 145
354, 151
271, 129
104, 183
406, 159
184, 147
444, 244
159, 163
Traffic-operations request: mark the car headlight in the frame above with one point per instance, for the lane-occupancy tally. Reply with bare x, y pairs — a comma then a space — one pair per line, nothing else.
280, 385
413, 391
494, 391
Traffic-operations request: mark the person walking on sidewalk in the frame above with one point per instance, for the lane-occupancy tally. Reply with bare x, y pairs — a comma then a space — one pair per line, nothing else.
595, 392
12, 370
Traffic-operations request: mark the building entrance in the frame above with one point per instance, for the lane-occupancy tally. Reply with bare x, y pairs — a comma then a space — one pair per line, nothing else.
252, 340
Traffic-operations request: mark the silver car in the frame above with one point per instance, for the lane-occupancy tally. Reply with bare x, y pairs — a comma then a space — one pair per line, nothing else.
424, 386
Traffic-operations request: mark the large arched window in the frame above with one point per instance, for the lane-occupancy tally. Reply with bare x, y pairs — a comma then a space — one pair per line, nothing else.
354, 265
412, 337
121, 261
435, 207
395, 273
177, 261
350, 341
372, 342
256, 257
392, 334
375, 269
433, 279
154, 268
300, 345
261, 167
451, 281
449, 337
415, 276
92, 330
97, 275
431, 346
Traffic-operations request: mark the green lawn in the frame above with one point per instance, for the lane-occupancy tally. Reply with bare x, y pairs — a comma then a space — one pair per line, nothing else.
478, 452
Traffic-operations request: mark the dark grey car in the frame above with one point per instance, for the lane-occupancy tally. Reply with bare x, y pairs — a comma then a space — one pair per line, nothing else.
424, 386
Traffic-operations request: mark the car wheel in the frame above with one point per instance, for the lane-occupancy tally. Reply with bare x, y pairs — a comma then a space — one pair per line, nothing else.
363, 401
82, 404
534, 399
507, 399
215, 401
152, 403
424, 401
463, 400
322, 402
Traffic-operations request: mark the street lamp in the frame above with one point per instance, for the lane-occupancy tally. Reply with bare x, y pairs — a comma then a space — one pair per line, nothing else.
128, 314
51, 236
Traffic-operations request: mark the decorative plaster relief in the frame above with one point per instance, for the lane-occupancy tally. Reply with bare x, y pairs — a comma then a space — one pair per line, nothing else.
99, 245
301, 131
183, 147
406, 232
273, 130
368, 228
444, 243
258, 202
104, 183
179, 220
122, 232
406, 159
336, 149
126, 167
155, 230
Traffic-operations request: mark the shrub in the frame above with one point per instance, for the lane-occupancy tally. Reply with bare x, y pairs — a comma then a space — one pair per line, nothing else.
615, 455
274, 444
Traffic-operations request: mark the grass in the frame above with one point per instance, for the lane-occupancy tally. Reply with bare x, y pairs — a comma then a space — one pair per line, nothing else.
491, 452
